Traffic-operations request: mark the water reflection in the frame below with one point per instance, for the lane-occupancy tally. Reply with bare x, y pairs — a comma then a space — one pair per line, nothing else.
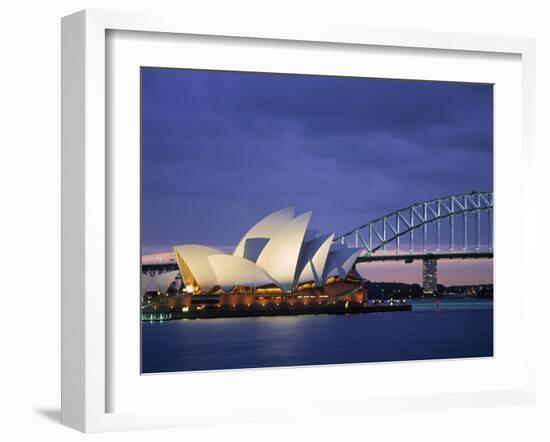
455, 329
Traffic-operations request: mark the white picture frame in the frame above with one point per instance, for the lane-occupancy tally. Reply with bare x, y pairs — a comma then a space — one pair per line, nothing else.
86, 353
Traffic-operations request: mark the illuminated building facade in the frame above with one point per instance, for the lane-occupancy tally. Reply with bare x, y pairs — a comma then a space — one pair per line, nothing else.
278, 263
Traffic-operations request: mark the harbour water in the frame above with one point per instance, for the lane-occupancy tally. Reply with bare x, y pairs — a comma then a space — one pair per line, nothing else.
432, 330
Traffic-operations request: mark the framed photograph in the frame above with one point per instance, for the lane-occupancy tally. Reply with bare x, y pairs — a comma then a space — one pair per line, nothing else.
264, 222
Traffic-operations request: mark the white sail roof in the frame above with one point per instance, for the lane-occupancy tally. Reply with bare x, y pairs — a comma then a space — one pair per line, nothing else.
314, 258
253, 242
165, 280
193, 264
146, 281
232, 271
340, 261
280, 256
279, 250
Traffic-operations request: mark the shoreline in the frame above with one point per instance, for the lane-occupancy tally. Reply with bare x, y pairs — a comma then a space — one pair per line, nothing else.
255, 312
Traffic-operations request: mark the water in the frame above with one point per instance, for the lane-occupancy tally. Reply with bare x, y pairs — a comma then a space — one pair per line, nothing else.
459, 329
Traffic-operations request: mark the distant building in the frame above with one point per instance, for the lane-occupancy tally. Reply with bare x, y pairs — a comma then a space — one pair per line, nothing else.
429, 275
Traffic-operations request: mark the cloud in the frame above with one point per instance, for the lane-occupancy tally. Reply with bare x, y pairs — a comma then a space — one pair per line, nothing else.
222, 149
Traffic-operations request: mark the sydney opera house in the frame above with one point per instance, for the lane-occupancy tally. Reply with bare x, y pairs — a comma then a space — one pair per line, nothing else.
280, 264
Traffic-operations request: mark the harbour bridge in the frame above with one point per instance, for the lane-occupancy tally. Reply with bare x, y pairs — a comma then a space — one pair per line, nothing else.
452, 227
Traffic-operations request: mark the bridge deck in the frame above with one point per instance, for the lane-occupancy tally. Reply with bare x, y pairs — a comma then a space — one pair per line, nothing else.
168, 266
416, 256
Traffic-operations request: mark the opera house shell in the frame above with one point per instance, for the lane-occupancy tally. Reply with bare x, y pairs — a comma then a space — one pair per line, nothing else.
279, 253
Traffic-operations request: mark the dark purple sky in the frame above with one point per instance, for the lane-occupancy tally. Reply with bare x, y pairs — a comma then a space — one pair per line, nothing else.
222, 149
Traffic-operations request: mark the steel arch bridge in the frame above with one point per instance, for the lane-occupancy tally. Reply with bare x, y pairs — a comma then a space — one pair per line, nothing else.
453, 226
